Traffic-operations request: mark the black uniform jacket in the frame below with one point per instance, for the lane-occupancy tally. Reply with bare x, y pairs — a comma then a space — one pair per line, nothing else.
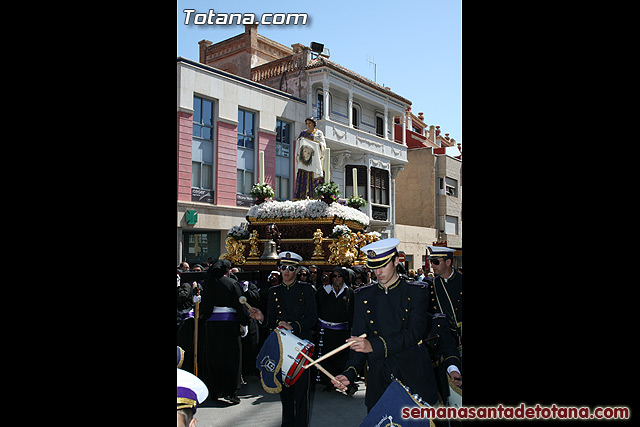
395, 321
335, 309
441, 343
296, 304
446, 298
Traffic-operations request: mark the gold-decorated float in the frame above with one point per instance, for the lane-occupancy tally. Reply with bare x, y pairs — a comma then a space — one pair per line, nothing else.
324, 234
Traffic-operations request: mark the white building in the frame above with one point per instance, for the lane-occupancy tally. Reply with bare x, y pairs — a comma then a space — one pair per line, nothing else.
356, 117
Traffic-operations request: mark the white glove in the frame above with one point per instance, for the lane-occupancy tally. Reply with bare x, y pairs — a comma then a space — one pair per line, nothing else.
453, 368
197, 298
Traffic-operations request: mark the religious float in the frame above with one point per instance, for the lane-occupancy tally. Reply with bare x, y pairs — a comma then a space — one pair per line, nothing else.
324, 230
324, 234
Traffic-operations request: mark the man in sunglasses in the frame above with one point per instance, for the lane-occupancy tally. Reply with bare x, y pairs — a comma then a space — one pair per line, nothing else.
445, 293
292, 305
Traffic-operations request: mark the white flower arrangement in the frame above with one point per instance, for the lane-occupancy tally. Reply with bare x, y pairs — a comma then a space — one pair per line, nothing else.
347, 213
356, 202
308, 208
340, 230
262, 190
239, 232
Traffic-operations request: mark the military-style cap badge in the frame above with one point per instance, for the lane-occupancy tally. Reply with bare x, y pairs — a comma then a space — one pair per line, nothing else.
289, 257
191, 390
381, 252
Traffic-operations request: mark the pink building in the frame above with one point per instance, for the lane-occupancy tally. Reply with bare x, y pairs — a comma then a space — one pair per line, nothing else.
223, 122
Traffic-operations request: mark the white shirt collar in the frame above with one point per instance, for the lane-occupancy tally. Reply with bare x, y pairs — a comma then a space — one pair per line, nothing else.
451, 275
329, 288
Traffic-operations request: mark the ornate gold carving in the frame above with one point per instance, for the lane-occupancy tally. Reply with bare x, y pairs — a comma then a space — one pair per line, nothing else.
253, 241
318, 252
235, 251
361, 240
343, 251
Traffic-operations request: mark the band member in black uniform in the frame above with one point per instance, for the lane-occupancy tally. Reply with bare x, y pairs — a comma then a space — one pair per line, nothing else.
250, 340
445, 292
292, 305
393, 315
444, 354
335, 318
188, 295
221, 315
272, 280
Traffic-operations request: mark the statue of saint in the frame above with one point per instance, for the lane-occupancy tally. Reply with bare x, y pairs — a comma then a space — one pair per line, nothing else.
309, 161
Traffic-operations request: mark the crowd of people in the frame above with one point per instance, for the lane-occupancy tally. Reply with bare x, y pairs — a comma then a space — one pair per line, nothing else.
326, 306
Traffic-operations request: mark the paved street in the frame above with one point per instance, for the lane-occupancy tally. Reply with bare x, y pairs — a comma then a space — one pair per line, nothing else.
258, 408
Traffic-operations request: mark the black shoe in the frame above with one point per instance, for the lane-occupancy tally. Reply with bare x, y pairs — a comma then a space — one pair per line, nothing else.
351, 390
233, 399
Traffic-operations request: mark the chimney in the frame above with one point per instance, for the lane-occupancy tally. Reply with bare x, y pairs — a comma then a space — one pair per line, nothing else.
421, 116
303, 52
437, 130
251, 32
250, 28
204, 44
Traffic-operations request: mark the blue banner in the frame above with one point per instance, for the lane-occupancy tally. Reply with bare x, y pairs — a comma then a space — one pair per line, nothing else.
269, 363
388, 411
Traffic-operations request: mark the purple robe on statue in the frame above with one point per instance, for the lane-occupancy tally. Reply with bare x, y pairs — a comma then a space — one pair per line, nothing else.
305, 184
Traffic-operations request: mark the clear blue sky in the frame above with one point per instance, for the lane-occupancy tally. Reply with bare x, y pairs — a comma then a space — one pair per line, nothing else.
416, 44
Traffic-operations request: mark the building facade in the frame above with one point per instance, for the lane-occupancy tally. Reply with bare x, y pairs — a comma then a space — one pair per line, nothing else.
223, 122
250, 94
354, 113
429, 209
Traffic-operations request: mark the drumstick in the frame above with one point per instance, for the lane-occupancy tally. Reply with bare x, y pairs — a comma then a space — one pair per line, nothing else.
319, 366
243, 300
332, 352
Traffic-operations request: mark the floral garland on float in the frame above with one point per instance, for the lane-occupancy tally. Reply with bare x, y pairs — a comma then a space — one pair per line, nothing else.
324, 234
308, 208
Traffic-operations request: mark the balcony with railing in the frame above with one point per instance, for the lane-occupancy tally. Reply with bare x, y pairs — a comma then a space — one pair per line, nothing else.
275, 68
342, 137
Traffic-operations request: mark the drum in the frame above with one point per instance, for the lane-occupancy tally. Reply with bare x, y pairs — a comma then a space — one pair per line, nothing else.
292, 361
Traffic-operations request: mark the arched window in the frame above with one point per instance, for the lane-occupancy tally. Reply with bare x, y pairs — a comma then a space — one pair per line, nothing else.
380, 130
356, 116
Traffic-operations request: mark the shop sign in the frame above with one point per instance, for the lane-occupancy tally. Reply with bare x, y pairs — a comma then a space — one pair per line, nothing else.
199, 195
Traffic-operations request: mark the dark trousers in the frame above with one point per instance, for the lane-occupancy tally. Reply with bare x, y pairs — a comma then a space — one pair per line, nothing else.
295, 402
